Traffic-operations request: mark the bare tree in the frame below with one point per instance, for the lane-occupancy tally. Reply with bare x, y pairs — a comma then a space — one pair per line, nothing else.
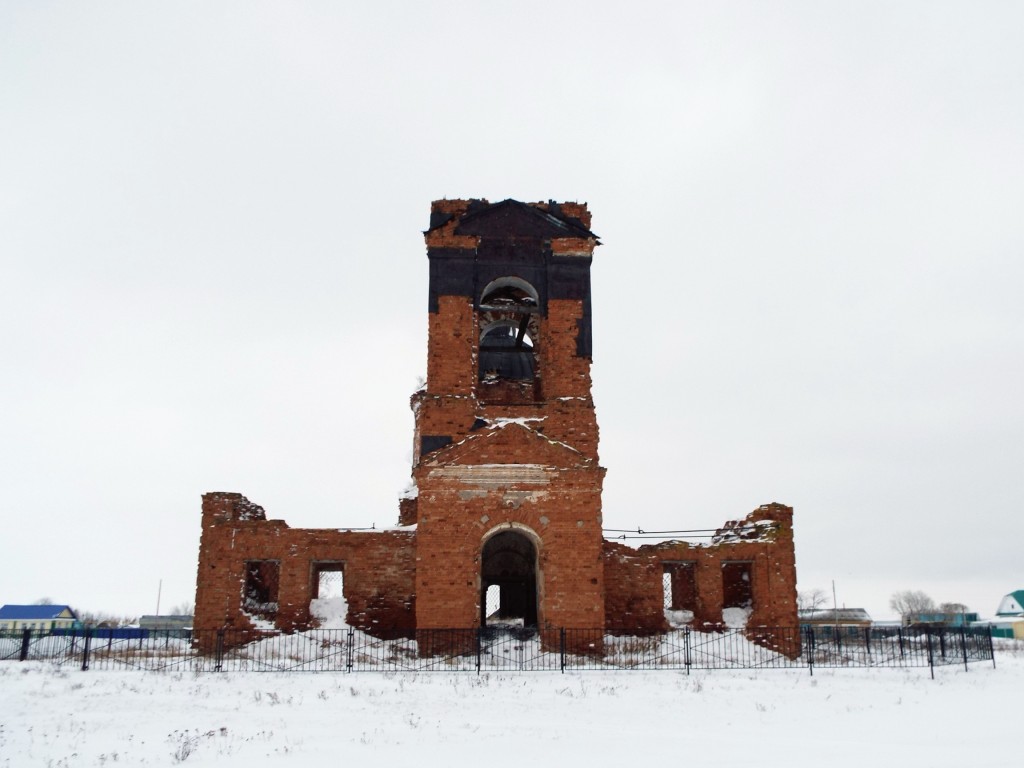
183, 609
953, 608
911, 601
105, 620
811, 599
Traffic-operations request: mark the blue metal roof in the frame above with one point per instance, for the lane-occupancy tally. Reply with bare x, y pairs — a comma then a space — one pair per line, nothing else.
33, 612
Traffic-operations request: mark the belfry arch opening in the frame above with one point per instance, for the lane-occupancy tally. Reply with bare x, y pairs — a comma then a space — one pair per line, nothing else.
509, 293
508, 581
509, 319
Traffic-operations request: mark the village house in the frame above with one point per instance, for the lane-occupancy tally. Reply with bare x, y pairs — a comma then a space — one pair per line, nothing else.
39, 618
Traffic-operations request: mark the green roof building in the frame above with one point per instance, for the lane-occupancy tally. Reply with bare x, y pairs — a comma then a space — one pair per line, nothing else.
1012, 604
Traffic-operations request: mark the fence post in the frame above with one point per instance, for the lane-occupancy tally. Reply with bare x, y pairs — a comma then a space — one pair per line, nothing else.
350, 641
867, 642
991, 647
810, 649
561, 649
479, 648
686, 646
218, 653
85, 650
26, 638
963, 646
899, 631
931, 656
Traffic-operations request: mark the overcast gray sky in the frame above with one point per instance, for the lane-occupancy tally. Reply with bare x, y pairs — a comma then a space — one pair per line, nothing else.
809, 288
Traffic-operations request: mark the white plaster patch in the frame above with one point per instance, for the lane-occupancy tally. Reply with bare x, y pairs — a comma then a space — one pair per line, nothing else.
515, 499
495, 475
523, 421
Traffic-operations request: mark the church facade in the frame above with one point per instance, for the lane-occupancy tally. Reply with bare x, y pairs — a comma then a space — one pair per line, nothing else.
505, 524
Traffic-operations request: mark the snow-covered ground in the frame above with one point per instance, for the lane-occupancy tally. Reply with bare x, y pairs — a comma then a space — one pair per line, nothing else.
58, 717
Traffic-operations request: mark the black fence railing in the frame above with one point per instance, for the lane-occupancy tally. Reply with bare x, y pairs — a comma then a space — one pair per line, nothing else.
501, 649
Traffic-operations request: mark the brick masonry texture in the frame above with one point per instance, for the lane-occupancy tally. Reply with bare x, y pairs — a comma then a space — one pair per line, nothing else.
638, 574
378, 569
501, 458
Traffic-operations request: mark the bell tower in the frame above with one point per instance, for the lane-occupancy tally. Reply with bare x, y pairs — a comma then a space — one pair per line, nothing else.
505, 460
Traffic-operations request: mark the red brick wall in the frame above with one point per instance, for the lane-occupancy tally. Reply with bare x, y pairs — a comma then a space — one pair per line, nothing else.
378, 570
473, 489
632, 576
451, 347
633, 596
449, 405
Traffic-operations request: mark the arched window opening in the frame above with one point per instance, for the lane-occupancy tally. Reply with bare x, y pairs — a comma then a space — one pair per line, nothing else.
509, 321
508, 582
509, 293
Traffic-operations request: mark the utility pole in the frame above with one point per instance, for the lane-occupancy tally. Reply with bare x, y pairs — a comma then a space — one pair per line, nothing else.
835, 607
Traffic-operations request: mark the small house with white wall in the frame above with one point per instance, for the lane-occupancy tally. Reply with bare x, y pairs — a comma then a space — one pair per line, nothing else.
1012, 604
842, 621
1009, 621
166, 622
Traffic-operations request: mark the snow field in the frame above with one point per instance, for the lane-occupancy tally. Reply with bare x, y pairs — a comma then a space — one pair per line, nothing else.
61, 717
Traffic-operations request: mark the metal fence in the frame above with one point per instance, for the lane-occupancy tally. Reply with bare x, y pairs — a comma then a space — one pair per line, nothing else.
501, 649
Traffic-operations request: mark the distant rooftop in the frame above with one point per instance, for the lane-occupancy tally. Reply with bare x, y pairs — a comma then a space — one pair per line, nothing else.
1012, 604
832, 615
34, 612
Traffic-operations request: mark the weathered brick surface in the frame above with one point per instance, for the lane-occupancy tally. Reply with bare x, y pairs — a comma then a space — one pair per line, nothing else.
495, 455
506, 478
451, 348
633, 592
632, 575
378, 570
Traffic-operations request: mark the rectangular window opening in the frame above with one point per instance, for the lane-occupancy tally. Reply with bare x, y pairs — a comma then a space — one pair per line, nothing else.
328, 606
737, 591
679, 584
260, 592
328, 580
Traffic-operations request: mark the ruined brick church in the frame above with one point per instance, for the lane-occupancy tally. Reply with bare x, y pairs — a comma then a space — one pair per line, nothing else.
505, 523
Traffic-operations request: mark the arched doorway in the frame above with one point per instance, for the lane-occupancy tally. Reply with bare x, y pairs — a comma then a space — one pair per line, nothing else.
508, 581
